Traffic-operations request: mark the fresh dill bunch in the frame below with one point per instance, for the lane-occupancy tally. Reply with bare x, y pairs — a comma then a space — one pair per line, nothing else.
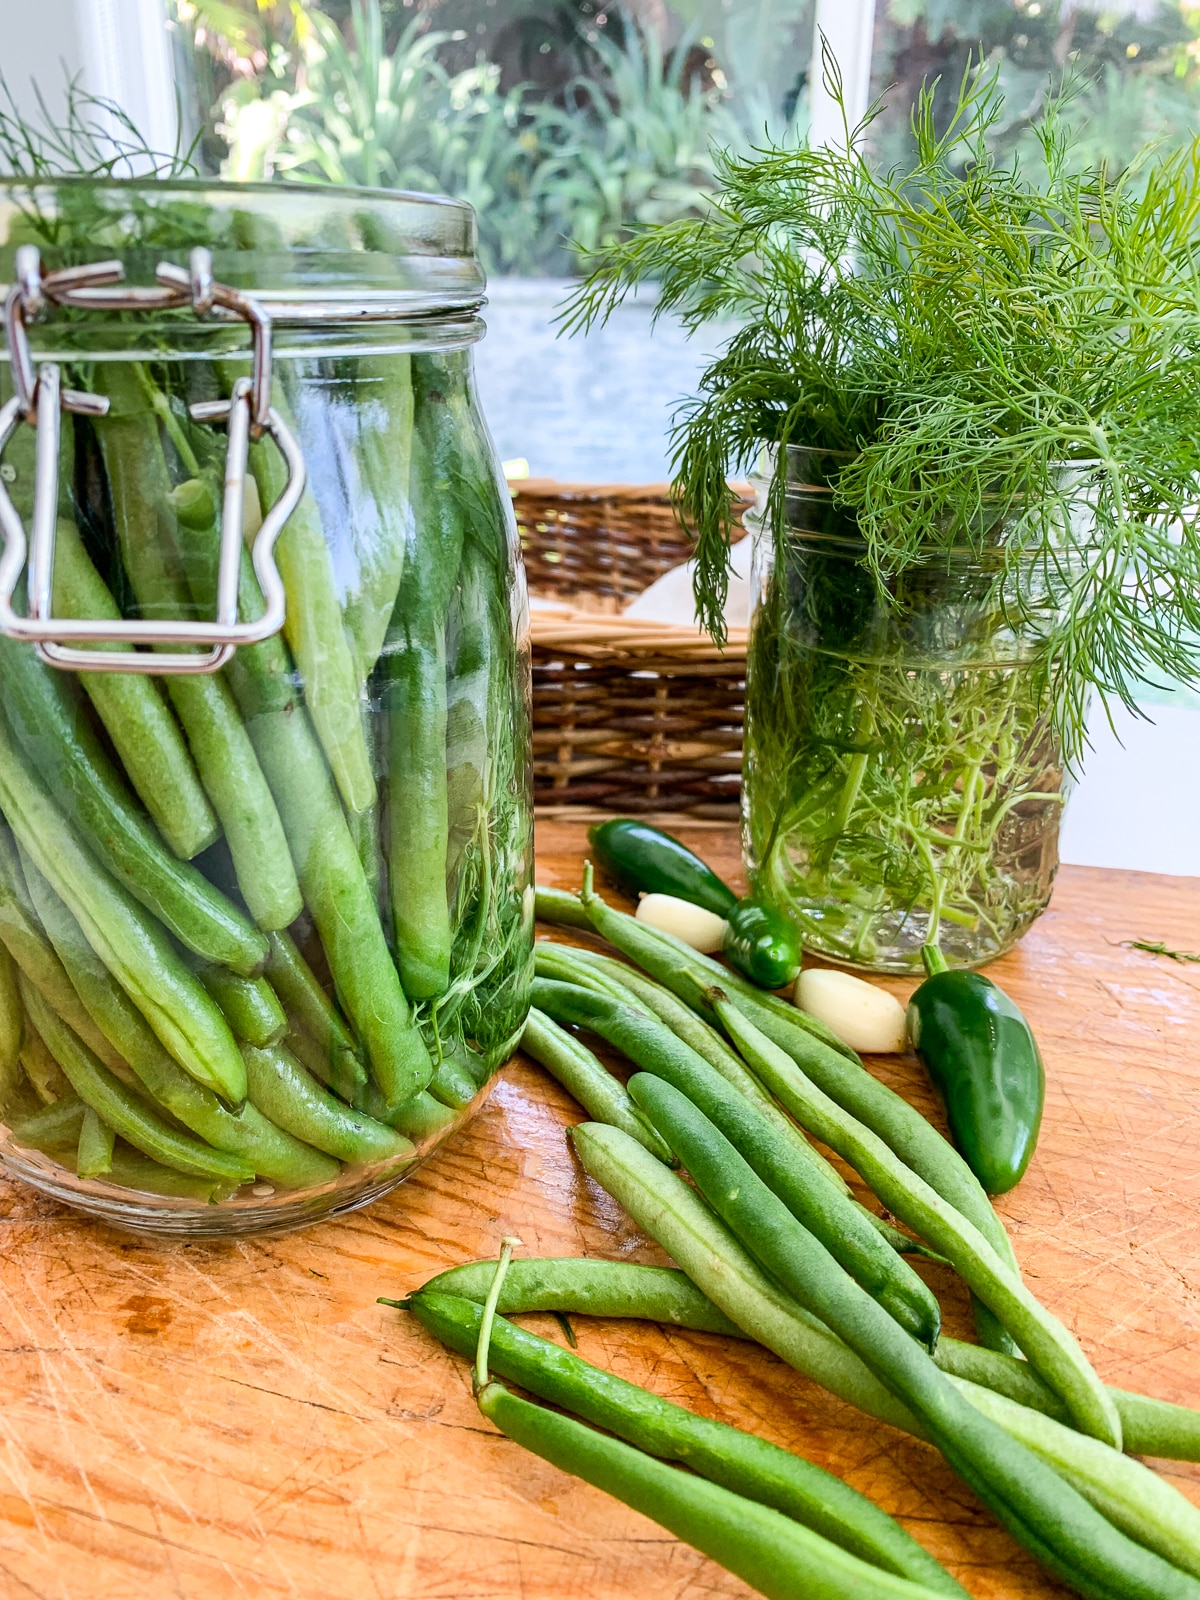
93, 138
1011, 358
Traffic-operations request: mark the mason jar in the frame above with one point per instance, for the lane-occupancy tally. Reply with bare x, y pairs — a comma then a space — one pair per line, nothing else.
903, 782
266, 850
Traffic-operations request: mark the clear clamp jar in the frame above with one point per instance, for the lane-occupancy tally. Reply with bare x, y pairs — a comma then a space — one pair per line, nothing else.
265, 796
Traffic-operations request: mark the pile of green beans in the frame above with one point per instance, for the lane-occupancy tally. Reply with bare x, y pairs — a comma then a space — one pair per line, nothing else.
268, 925
771, 1247
820, 1536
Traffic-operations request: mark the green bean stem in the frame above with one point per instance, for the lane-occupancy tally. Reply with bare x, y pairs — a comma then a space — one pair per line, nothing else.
1049, 1347
738, 1461
135, 712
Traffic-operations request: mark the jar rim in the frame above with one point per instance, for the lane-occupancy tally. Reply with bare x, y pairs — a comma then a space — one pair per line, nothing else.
308, 252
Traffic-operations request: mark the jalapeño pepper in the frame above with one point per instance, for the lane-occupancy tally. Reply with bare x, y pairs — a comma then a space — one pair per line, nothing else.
761, 943
981, 1053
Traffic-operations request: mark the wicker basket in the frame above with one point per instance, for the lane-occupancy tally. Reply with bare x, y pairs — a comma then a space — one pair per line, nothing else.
628, 715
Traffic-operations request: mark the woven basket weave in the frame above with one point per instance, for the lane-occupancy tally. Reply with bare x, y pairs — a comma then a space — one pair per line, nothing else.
628, 715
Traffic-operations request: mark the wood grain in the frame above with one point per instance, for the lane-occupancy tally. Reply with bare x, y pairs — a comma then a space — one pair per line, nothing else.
216, 1420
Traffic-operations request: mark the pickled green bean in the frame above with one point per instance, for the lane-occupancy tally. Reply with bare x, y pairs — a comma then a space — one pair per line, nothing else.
229, 770
48, 715
336, 890
53, 1129
249, 1005
124, 1111
132, 945
288, 1094
314, 628
11, 1013
134, 711
94, 1153
274, 1154
43, 1071
25, 940
296, 985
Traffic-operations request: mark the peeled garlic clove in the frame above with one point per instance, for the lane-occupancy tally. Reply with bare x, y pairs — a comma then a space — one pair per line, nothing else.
868, 1019
703, 930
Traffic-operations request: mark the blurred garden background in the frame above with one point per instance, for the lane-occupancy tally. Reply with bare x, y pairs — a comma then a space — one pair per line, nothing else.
566, 123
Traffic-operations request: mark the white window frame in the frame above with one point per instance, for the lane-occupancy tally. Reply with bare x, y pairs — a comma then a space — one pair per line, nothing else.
849, 28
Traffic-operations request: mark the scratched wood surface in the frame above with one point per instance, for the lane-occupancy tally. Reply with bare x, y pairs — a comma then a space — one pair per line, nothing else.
241, 1419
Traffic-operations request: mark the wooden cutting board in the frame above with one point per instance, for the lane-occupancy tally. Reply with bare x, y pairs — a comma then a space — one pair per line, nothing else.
241, 1419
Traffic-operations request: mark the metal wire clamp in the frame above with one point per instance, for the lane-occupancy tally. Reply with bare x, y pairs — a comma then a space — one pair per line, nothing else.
39, 400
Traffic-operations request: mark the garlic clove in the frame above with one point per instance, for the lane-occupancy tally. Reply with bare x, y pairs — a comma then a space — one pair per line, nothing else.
866, 1018
703, 930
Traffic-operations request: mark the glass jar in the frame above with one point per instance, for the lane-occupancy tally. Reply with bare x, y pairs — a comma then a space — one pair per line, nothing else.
901, 777
266, 927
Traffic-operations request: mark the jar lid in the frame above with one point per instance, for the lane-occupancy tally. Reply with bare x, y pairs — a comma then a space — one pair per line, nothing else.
308, 253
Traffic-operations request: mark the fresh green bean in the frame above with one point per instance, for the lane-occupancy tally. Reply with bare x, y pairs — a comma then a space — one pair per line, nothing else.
273, 1153
225, 759
125, 1111
775, 1555
561, 909
843, 1079
314, 628
1013, 1482
674, 1215
11, 1014
33, 956
1131, 1496
336, 890
738, 1461
296, 985
249, 1005
134, 711
666, 1295
94, 1154
47, 713
284, 1091
1049, 1347
841, 1227
590, 1288
43, 1071
54, 1128
735, 1071
131, 944
587, 1079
